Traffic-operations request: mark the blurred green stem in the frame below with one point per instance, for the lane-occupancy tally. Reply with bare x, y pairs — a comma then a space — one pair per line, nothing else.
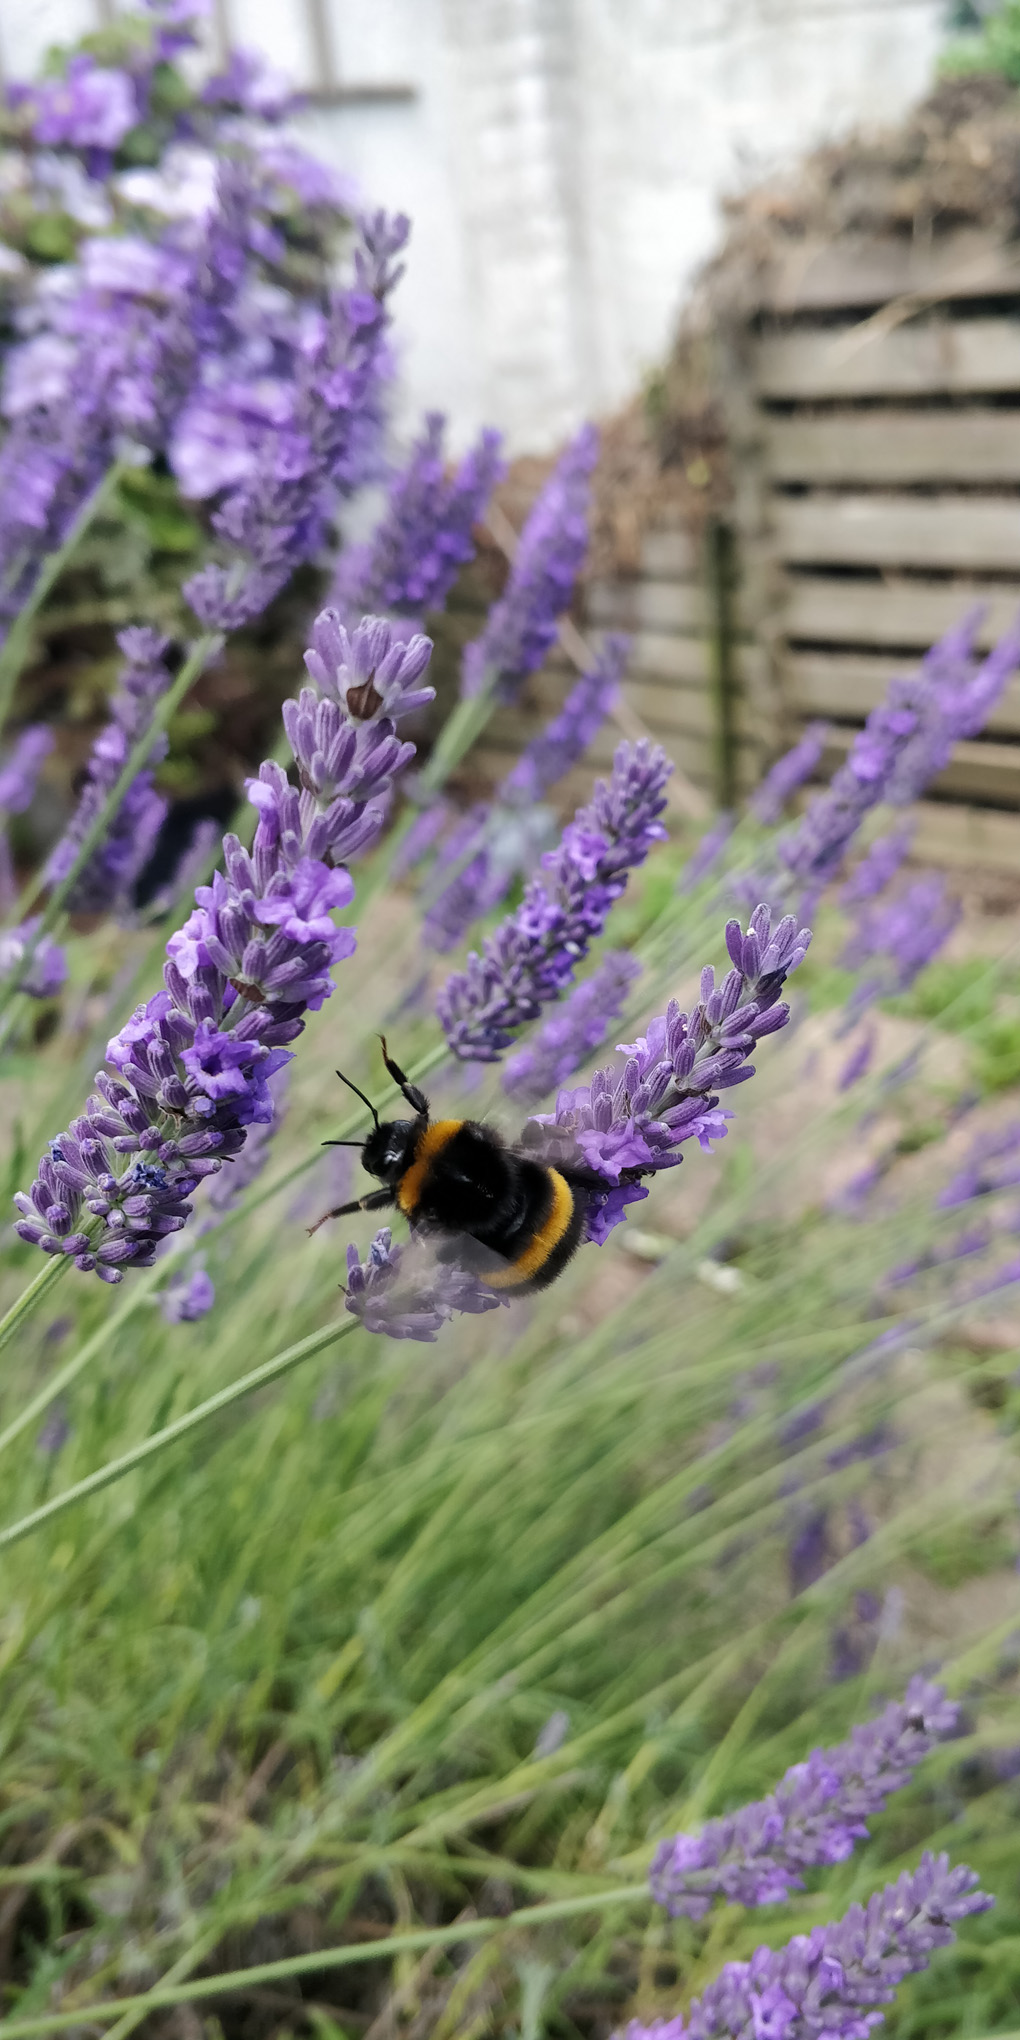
38, 1289
333, 1958
16, 644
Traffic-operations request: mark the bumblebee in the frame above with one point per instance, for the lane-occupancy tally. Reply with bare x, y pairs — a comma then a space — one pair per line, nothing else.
512, 1219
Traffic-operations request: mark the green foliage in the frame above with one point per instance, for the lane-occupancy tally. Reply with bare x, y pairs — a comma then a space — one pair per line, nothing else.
994, 47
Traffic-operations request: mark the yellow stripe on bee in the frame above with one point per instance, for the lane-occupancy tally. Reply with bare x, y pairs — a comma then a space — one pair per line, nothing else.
436, 1136
548, 1236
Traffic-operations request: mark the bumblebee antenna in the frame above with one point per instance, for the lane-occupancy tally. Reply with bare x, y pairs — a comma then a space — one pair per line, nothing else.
364, 1100
340, 1143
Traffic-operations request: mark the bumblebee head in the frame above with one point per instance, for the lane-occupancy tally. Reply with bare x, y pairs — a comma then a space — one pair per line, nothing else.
389, 1150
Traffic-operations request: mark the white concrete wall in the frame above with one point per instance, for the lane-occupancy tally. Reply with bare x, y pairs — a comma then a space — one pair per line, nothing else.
564, 161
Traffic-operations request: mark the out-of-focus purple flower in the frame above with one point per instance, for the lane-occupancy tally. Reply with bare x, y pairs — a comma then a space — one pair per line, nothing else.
572, 1031
521, 626
501, 840
899, 937
192, 1067
823, 1985
19, 771
904, 743
979, 1176
630, 1122
107, 882
90, 107
878, 867
409, 564
789, 772
533, 955
188, 1296
707, 853
809, 1554
816, 1814
403, 1293
859, 1061
54, 1431
278, 515
973, 1240
46, 969
236, 1178
248, 84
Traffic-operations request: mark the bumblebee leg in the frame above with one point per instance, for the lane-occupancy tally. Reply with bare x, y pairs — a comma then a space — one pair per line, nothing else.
373, 1202
411, 1092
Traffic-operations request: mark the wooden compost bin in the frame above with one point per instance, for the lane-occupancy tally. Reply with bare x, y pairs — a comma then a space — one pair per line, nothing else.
873, 396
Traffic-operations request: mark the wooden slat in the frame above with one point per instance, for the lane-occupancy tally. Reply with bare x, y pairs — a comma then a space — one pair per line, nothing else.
649, 605
669, 555
851, 684
976, 771
930, 356
966, 836
895, 448
864, 270
981, 534
833, 610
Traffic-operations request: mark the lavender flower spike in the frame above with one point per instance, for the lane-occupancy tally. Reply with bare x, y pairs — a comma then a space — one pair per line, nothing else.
409, 564
825, 1985
533, 955
402, 1293
46, 969
107, 882
629, 1123
521, 626
572, 1030
20, 769
191, 1068
788, 773
815, 1816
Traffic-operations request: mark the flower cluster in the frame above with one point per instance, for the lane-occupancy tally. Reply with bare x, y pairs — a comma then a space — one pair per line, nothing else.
106, 884
500, 840
788, 773
278, 514
533, 955
521, 626
825, 1985
878, 867
979, 1176
899, 937
409, 564
904, 743
190, 1070
406, 1293
572, 1032
817, 1813
629, 1123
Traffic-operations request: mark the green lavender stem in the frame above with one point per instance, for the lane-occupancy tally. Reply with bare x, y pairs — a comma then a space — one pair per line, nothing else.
333, 1958
38, 1289
15, 647
271, 1370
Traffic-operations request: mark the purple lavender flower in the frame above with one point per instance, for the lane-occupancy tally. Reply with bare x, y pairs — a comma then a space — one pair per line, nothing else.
188, 1296
572, 1030
403, 1293
788, 773
979, 1177
278, 515
823, 1985
424, 537
192, 1067
707, 852
859, 1061
20, 769
90, 107
816, 1814
227, 1189
532, 956
499, 841
46, 968
878, 867
106, 885
899, 937
628, 1123
521, 626
904, 743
